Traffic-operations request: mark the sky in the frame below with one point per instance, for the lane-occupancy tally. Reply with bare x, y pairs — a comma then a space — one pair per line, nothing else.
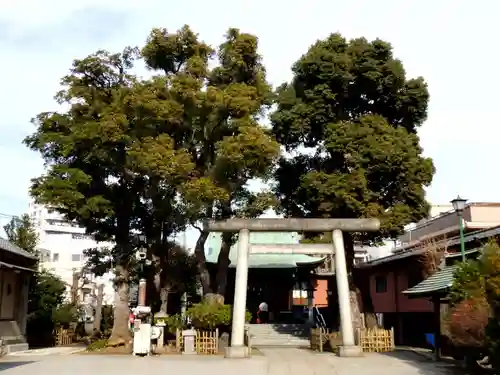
451, 43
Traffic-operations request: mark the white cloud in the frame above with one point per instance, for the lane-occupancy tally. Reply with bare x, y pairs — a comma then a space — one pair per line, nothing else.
30, 14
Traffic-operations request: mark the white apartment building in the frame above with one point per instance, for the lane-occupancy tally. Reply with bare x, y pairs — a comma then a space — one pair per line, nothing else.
367, 253
62, 245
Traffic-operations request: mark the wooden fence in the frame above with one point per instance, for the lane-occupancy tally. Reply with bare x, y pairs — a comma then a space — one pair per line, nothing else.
318, 339
376, 340
64, 336
206, 342
179, 342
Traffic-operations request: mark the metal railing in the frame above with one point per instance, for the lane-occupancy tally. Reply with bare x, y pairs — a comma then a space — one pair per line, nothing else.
318, 318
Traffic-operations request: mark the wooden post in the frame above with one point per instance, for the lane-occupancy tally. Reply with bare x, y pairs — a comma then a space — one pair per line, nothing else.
437, 327
321, 340
98, 309
216, 340
392, 339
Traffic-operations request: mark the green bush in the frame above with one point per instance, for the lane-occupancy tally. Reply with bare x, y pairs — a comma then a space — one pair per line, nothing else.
64, 315
172, 323
212, 315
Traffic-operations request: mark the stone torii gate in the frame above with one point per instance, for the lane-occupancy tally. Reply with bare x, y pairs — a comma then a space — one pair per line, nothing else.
336, 226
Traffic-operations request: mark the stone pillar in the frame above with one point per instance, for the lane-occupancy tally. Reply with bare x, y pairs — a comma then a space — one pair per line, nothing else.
348, 348
237, 348
141, 298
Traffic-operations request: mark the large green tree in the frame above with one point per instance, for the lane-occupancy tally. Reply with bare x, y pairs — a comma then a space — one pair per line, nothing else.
348, 120
219, 102
129, 155
101, 155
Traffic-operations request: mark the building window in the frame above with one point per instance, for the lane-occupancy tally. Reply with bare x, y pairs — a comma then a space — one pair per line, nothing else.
55, 232
80, 236
76, 257
55, 257
380, 284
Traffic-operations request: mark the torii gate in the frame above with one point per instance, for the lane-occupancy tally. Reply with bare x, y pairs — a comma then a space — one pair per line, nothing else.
336, 226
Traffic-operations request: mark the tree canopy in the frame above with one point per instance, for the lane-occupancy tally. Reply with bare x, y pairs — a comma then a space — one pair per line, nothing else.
20, 231
348, 120
217, 124
133, 157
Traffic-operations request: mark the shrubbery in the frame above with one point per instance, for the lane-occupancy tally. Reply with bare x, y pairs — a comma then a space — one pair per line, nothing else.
467, 322
204, 315
212, 315
473, 323
46, 308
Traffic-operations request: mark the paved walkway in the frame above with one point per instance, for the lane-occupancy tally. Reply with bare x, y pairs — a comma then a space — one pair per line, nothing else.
58, 350
303, 362
273, 362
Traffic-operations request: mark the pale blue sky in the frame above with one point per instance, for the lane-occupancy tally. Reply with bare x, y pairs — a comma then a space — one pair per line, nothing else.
452, 43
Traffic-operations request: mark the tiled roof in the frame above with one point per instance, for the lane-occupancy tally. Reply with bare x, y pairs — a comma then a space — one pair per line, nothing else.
439, 281
212, 250
411, 252
8, 246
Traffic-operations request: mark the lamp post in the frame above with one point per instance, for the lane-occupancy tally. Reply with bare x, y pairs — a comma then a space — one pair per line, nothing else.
459, 206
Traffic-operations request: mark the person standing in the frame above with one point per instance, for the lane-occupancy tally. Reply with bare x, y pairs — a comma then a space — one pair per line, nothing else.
263, 313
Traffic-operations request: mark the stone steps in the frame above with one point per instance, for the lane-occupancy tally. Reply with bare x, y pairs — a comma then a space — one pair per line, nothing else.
12, 344
278, 335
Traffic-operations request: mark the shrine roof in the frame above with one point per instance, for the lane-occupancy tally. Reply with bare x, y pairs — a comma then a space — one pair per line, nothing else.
212, 249
438, 282
14, 249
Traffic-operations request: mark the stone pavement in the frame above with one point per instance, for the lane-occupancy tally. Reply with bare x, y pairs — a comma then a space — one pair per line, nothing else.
58, 350
303, 362
274, 362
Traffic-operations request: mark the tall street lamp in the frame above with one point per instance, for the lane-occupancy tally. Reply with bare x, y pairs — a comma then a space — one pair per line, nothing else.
459, 206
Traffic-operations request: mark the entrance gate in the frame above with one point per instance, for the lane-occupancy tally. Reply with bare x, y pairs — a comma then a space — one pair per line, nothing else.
336, 226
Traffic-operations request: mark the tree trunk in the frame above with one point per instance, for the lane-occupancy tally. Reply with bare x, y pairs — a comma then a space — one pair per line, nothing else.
361, 302
74, 288
164, 300
362, 283
98, 310
199, 252
222, 267
120, 334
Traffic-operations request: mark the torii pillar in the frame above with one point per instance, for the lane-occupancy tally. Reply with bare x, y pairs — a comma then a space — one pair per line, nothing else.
336, 226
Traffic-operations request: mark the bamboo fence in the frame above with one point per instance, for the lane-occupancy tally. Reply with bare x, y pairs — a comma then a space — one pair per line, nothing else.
64, 336
376, 340
206, 342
